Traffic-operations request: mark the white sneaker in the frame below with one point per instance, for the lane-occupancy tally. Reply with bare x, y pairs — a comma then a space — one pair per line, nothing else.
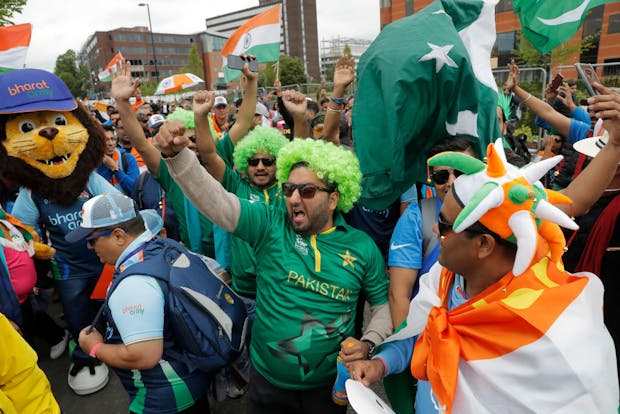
85, 380
57, 350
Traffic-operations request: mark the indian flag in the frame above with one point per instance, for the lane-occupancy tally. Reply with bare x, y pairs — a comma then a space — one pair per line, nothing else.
106, 74
259, 36
14, 42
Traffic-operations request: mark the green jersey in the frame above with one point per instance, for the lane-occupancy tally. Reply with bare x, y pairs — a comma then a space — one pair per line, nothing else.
307, 291
182, 207
243, 262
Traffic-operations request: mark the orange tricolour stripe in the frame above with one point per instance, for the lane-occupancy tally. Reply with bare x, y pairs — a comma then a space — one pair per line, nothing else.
15, 36
271, 16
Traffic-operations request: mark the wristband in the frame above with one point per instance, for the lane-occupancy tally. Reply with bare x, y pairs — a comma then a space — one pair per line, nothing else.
339, 101
371, 347
93, 350
335, 110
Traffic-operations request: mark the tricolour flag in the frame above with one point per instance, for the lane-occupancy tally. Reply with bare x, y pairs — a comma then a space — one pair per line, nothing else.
106, 74
548, 23
259, 36
14, 42
425, 77
505, 349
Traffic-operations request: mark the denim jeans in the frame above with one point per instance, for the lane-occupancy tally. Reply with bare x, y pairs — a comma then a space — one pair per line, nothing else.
78, 308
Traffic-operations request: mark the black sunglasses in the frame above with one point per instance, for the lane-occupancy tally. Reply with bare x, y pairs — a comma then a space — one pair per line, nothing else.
192, 138
306, 190
267, 162
443, 226
442, 176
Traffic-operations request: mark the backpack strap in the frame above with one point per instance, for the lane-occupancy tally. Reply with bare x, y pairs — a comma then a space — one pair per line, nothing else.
428, 209
141, 180
124, 161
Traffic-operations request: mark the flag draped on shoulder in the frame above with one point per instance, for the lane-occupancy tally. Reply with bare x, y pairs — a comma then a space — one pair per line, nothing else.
14, 42
259, 36
548, 23
425, 77
543, 325
106, 74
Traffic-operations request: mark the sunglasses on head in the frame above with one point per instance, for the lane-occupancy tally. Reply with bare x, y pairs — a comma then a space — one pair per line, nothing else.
307, 190
267, 162
442, 176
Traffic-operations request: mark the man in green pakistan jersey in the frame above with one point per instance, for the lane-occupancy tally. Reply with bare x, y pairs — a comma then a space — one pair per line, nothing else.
253, 155
311, 268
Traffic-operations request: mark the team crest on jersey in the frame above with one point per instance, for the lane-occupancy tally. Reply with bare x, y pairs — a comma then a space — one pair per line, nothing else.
301, 245
254, 198
347, 259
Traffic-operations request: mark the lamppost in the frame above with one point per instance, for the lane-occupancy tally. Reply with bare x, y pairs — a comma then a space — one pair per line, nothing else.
148, 10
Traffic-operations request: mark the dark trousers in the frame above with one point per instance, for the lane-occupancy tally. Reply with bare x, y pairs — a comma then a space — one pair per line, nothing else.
265, 398
38, 323
79, 310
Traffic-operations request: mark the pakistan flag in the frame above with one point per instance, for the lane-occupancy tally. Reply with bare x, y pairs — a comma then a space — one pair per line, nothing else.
548, 23
425, 77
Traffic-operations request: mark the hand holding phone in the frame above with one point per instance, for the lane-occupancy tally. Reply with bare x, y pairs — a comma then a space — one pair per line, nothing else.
556, 82
237, 62
588, 75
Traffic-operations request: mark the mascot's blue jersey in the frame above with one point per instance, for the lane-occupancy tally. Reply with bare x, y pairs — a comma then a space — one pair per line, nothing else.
74, 260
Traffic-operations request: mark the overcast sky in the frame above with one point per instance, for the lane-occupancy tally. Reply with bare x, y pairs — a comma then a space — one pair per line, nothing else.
60, 25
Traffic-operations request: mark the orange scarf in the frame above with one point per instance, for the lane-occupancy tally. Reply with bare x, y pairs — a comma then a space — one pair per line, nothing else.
513, 312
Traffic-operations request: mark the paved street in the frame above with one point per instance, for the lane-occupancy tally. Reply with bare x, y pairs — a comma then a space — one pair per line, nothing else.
112, 399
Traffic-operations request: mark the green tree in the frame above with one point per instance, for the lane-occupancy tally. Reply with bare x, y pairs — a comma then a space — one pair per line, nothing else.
527, 56
195, 63
76, 76
8, 8
291, 71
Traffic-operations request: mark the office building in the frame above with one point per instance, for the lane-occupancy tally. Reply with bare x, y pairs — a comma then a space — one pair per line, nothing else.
298, 33
603, 22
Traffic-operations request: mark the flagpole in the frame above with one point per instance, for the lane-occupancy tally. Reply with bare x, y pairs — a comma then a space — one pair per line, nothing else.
278, 70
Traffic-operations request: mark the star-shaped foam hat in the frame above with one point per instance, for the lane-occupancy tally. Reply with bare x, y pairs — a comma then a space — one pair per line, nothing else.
509, 201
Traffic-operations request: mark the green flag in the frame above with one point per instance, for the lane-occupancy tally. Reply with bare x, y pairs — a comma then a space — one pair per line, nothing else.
425, 77
548, 23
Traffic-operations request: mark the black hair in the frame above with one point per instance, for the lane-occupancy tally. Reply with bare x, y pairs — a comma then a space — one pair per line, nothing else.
458, 143
313, 106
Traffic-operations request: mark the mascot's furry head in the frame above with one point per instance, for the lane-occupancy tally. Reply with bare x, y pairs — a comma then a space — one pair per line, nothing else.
50, 142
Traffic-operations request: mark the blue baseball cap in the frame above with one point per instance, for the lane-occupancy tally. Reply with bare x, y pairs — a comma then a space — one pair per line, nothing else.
103, 211
31, 90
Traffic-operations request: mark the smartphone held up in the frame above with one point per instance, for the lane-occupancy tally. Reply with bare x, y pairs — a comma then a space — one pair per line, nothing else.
237, 62
588, 76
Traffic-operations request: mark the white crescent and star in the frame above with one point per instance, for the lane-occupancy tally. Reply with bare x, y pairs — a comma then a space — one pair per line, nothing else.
440, 55
570, 16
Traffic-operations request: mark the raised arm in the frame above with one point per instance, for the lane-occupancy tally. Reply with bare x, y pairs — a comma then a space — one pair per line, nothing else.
344, 74
123, 88
296, 104
202, 104
588, 186
246, 112
206, 193
538, 106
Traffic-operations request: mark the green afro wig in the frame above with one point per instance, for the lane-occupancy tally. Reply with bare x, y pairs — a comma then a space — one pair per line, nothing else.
335, 165
183, 115
266, 140
503, 101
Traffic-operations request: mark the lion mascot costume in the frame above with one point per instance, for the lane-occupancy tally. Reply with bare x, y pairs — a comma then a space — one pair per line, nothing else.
51, 146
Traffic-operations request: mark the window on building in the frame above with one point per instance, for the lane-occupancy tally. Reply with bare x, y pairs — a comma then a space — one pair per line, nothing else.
386, 3
614, 24
408, 7
504, 6
613, 69
504, 46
